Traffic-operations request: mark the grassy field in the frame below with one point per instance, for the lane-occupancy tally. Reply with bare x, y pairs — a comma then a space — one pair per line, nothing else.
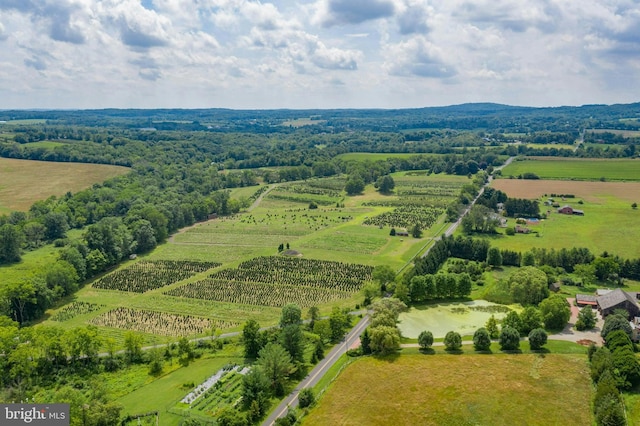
22, 182
374, 156
624, 133
609, 223
576, 169
44, 144
162, 393
458, 390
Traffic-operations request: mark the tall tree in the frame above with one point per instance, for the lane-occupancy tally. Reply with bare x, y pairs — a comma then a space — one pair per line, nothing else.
252, 339
291, 315
275, 361
11, 239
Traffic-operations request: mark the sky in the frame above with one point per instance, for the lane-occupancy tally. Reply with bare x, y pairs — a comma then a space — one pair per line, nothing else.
246, 54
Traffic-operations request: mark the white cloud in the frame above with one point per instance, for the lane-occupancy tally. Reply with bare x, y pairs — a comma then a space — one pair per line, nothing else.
330, 53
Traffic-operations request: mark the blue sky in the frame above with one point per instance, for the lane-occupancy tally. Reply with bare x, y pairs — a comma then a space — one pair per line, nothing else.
317, 53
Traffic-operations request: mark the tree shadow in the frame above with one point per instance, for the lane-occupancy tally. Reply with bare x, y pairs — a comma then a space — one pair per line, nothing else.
541, 351
454, 351
511, 351
390, 358
427, 351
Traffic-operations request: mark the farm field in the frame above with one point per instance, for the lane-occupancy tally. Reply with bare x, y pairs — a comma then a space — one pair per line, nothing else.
576, 168
609, 223
455, 390
216, 286
22, 183
377, 156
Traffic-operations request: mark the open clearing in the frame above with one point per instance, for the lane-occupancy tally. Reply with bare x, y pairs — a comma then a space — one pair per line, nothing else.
23, 182
576, 168
589, 191
459, 390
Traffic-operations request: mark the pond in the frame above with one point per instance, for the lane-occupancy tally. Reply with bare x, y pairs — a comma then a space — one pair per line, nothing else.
440, 318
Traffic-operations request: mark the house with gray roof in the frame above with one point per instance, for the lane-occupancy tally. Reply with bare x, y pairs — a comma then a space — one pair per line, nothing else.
618, 299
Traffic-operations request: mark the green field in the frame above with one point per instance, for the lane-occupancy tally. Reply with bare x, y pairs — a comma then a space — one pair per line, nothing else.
375, 156
458, 390
576, 169
44, 144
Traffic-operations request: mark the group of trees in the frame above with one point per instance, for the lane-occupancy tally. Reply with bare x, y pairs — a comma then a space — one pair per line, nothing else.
383, 336
434, 286
279, 354
614, 367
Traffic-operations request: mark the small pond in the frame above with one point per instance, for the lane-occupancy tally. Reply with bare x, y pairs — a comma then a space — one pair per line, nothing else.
440, 318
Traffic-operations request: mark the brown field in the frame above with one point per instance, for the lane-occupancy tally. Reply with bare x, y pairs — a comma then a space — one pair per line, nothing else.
440, 390
22, 182
589, 191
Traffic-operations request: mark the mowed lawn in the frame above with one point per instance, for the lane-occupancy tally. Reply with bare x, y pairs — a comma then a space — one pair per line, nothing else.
499, 389
576, 168
23, 182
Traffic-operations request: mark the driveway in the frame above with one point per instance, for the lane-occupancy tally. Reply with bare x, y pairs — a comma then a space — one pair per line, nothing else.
569, 333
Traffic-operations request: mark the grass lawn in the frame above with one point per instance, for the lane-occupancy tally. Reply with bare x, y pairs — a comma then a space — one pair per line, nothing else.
458, 390
576, 169
22, 182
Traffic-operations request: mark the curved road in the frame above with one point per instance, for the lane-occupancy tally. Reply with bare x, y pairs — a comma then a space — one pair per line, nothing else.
318, 371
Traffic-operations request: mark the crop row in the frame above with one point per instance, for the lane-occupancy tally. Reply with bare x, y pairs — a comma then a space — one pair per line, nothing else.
407, 216
323, 200
161, 323
149, 275
278, 276
74, 309
321, 269
307, 189
257, 293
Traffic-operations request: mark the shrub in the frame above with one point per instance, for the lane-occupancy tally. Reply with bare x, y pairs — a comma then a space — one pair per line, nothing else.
481, 340
425, 340
306, 398
537, 339
509, 339
452, 341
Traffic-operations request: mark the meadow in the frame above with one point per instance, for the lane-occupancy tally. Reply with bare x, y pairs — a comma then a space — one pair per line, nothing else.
22, 182
377, 156
458, 390
576, 168
609, 222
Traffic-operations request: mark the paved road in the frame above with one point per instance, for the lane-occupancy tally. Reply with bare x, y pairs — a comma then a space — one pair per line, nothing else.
318, 372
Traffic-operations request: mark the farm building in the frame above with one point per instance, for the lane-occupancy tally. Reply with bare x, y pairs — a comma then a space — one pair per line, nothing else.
570, 210
586, 300
402, 233
618, 299
522, 230
554, 287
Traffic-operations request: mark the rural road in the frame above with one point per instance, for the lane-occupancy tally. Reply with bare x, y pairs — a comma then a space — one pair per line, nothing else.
318, 371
